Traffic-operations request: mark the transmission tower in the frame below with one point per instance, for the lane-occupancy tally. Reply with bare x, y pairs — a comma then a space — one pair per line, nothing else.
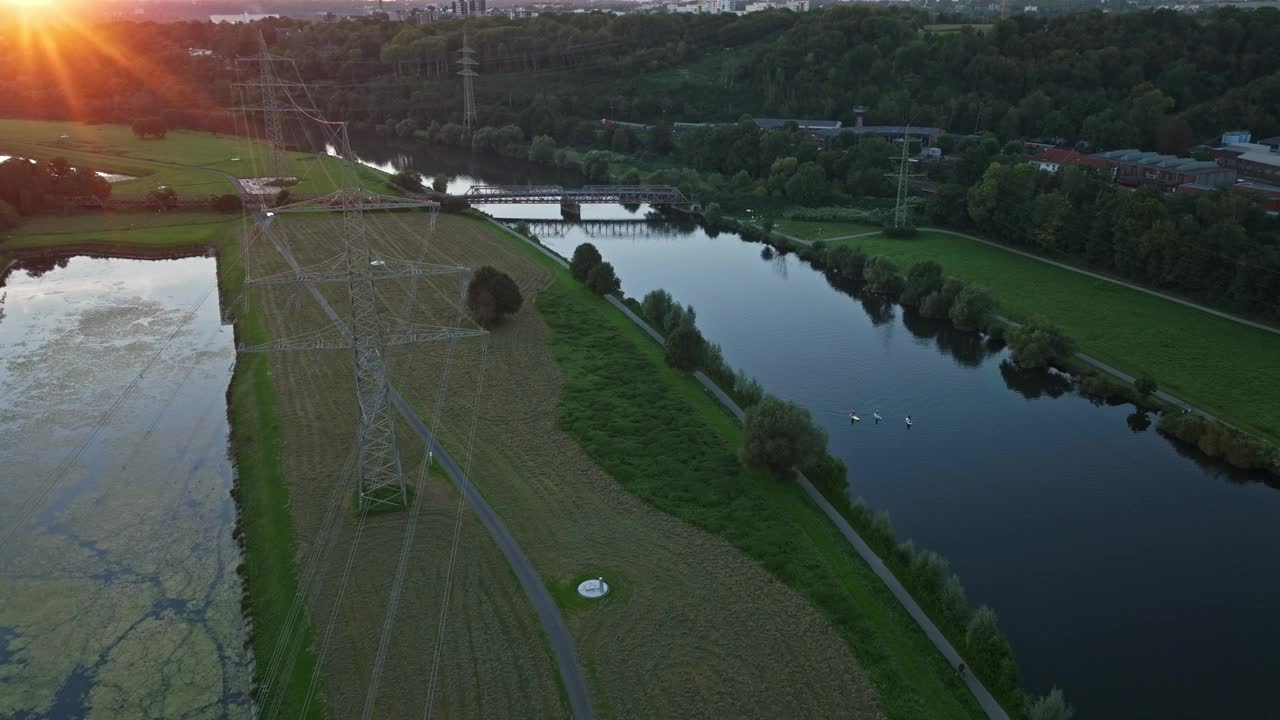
901, 210
380, 478
272, 98
468, 73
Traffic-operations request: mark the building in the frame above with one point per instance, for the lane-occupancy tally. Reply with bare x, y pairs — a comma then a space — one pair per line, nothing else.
1268, 195
1052, 159
1255, 160
241, 18
1233, 137
1136, 168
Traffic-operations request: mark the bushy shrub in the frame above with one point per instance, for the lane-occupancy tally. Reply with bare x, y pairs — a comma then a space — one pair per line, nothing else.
971, 307
747, 390
840, 214
1039, 343
937, 304
846, 261
585, 258
602, 280
923, 278
684, 347
492, 295
1102, 386
881, 274
828, 474
780, 435
1051, 707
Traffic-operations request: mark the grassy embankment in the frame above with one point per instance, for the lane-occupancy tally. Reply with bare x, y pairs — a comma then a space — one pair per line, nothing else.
821, 230
1212, 363
665, 439
267, 532
1220, 366
149, 229
191, 162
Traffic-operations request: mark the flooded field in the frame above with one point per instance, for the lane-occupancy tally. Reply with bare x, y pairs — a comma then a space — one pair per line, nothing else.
118, 591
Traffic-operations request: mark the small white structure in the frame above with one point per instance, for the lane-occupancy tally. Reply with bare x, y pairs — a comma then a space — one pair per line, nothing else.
592, 589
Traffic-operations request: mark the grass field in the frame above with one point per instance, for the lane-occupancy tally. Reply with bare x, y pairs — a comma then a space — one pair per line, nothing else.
193, 163
669, 442
693, 627
493, 656
821, 230
1220, 366
145, 228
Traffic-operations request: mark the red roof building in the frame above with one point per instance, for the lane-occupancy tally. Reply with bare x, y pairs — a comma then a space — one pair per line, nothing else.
1052, 159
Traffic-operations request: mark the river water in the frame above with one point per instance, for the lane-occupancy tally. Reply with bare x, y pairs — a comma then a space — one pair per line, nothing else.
118, 591
1134, 575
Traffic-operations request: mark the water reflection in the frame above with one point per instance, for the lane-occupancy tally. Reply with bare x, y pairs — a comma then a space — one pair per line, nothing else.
1034, 383
119, 593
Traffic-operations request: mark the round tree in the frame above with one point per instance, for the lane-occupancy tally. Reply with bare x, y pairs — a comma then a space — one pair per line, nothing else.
1038, 343
923, 278
779, 435
602, 280
971, 307
492, 295
685, 346
585, 258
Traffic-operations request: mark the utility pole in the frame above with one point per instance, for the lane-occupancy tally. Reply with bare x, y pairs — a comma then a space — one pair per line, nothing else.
468, 73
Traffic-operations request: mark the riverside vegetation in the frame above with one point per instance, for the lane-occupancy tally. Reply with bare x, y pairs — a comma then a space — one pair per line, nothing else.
776, 437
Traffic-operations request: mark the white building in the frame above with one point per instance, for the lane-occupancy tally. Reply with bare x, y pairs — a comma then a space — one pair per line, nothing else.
241, 18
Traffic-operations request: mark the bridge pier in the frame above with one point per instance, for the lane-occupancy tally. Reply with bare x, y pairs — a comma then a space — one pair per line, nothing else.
570, 210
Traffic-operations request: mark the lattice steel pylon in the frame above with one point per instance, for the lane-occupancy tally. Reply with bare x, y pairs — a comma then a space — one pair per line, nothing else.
901, 210
380, 477
468, 73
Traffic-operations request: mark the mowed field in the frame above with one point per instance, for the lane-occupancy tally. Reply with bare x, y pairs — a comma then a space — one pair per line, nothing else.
193, 163
132, 228
492, 655
693, 627
1223, 367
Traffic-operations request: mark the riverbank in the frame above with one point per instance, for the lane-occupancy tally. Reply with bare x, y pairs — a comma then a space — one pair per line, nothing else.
634, 404
1213, 363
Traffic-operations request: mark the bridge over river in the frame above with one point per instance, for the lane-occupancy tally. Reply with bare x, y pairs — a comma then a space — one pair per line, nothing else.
571, 200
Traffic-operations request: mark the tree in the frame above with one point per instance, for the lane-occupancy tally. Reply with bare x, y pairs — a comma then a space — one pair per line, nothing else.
655, 306
808, 186
1038, 343
971, 307
408, 180
543, 149
585, 259
406, 127
660, 141
440, 183
847, 261
937, 304
492, 295
602, 280
163, 198
711, 214
149, 126
1051, 707
881, 274
923, 278
228, 202
780, 435
1145, 385
982, 629
685, 346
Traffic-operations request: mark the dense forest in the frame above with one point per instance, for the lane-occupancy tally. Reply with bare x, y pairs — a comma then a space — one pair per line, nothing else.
1155, 80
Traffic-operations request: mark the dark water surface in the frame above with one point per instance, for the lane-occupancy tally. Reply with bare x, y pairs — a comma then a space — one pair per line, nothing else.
118, 593
1138, 578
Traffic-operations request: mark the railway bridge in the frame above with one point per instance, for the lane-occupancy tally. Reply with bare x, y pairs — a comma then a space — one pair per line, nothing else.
571, 200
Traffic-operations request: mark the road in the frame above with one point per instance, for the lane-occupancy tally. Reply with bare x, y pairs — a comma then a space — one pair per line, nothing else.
543, 604
985, 699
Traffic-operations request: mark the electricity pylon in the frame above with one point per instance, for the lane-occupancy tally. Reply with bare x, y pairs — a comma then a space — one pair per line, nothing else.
468, 73
380, 478
901, 210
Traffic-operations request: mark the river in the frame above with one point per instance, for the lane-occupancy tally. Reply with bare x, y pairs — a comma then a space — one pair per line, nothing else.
118, 591
1131, 573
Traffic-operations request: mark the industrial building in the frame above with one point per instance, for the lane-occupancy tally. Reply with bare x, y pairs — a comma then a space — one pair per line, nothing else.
1137, 168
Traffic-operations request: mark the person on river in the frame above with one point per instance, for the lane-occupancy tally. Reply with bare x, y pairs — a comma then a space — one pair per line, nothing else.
876, 414
908, 422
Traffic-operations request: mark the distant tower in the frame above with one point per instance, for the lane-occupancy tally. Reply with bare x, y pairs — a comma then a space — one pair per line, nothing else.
468, 74
902, 211
483, 8
858, 112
